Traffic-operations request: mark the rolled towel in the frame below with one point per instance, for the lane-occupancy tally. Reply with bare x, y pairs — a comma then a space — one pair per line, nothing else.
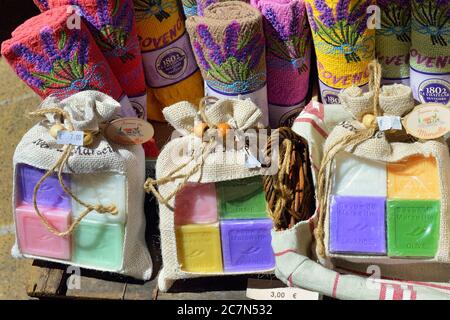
430, 51
112, 24
53, 58
288, 57
393, 40
344, 44
189, 8
171, 72
229, 46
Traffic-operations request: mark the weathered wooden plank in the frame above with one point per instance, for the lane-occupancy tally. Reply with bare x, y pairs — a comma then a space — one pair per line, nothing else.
45, 283
92, 288
144, 291
207, 295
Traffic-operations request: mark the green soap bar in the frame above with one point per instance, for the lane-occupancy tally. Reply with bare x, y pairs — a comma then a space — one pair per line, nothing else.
242, 199
99, 245
413, 228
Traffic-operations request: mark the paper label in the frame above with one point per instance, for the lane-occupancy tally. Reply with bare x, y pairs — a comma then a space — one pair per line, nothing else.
389, 122
430, 88
276, 290
428, 121
70, 137
129, 131
170, 64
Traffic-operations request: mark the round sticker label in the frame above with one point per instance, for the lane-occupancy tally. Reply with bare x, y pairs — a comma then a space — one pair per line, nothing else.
428, 121
171, 63
435, 90
129, 131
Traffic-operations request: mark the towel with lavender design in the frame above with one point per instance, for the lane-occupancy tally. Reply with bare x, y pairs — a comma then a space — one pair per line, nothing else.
288, 47
229, 47
430, 50
55, 59
203, 4
113, 27
393, 40
344, 43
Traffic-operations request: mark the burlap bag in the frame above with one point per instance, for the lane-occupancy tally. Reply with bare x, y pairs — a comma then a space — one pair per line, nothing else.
299, 260
86, 111
189, 158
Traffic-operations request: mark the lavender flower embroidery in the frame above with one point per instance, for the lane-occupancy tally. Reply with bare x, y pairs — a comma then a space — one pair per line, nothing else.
288, 43
112, 28
233, 67
161, 9
432, 18
396, 19
341, 32
63, 70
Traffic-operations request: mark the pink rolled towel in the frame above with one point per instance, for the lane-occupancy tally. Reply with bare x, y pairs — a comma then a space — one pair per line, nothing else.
288, 57
55, 59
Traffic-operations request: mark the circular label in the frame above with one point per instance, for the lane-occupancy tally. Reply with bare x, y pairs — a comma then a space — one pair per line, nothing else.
129, 131
287, 120
330, 97
172, 63
138, 108
434, 90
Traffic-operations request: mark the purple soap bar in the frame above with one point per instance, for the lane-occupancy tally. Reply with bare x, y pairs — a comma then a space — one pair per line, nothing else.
357, 225
246, 245
50, 193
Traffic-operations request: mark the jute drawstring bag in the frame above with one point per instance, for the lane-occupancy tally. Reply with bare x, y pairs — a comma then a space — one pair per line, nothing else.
86, 111
303, 256
190, 158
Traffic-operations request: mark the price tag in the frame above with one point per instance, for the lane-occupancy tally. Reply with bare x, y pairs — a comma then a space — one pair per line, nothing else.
389, 122
70, 137
428, 121
275, 290
129, 131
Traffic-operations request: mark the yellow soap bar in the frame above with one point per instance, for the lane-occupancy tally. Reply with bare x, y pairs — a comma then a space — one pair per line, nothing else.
416, 177
199, 248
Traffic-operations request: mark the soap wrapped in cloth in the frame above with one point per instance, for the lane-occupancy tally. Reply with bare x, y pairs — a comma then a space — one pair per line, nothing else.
88, 211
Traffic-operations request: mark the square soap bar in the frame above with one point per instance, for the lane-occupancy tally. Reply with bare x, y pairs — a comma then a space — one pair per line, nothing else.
355, 176
100, 188
413, 228
199, 249
99, 245
415, 178
357, 225
242, 199
196, 203
50, 192
34, 237
246, 245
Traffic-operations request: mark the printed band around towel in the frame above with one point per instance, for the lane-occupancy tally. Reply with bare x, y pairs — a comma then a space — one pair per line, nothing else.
288, 57
229, 46
171, 71
393, 40
55, 59
113, 27
344, 44
430, 50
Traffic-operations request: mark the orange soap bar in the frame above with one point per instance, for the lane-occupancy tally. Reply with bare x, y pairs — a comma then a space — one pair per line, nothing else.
416, 177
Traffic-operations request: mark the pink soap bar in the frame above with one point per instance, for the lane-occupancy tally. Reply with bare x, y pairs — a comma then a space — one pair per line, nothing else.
35, 239
196, 203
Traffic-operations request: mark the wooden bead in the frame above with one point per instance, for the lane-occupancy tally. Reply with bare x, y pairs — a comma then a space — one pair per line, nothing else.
55, 129
222, 129
88, 138
200, 129
368, 120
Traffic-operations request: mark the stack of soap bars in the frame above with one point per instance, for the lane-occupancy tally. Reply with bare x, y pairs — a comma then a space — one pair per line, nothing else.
97, 241
385, 209
223, 227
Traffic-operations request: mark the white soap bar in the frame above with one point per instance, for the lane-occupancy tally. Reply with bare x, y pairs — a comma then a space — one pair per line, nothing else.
100, 188
355, 176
